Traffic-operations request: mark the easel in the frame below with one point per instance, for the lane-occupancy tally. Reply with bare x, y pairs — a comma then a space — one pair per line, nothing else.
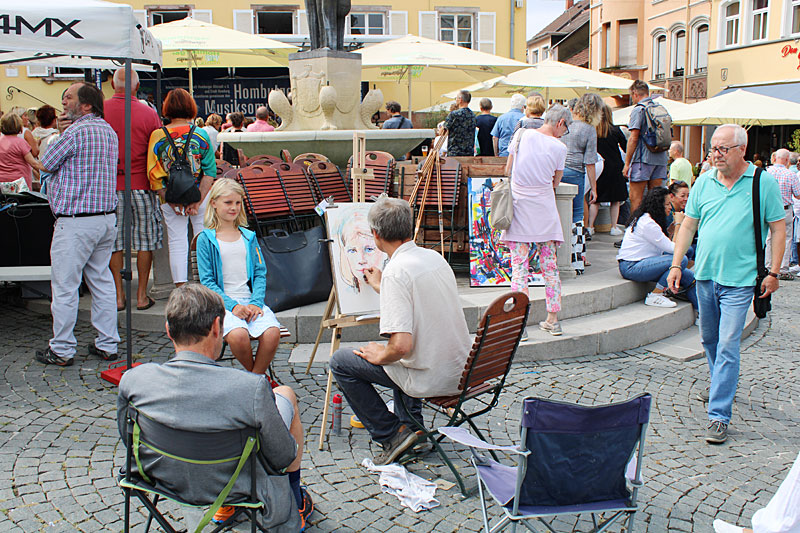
359, 173
432, 164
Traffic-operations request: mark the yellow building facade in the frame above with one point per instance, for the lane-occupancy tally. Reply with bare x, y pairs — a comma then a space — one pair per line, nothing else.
494, 27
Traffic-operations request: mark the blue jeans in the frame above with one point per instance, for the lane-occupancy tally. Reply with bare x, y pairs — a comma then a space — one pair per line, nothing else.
722, 314
657, 269
575, 178
356, 377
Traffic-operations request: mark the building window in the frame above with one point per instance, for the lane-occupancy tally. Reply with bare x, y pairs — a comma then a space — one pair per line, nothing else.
795, 16
456, 29
607, 47
545, 52
660, 57
731, 24
366, 24
679, 53
275, 22
628, 43
700, 56
169, 15
760, 12
535, 57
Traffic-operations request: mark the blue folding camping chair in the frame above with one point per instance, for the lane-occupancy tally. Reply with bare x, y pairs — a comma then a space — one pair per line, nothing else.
572, 459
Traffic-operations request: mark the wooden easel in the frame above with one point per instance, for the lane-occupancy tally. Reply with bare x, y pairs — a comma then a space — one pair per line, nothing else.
359, 173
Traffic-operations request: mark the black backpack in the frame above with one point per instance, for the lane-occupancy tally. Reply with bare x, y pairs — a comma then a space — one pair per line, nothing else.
182, 188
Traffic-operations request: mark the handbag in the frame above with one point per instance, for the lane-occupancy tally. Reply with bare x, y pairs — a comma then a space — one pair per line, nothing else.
761, 306
502, 212
182, 187
298, 267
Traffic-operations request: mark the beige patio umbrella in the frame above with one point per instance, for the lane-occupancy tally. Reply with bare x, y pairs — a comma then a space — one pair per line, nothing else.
555, 80
739, 107
622, 116
193, 44
426, 60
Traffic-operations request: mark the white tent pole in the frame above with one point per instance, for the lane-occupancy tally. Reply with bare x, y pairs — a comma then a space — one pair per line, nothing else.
127, 216
408, 73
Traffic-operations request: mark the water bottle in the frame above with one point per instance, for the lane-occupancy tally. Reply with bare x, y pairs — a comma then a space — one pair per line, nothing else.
337, 414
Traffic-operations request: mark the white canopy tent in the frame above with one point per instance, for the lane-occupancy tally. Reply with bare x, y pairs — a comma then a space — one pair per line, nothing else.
85, 34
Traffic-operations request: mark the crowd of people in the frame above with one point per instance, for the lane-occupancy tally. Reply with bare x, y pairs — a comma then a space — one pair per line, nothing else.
686, 237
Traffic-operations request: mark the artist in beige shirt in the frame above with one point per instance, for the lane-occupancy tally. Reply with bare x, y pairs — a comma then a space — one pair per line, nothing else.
428, 336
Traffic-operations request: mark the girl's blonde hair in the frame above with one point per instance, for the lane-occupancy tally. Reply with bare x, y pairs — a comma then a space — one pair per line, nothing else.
223, 187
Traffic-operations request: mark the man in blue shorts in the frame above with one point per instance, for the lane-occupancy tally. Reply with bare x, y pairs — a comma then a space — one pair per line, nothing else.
644, 169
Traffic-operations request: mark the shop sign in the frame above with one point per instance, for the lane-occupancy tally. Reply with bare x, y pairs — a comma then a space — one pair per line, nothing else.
223, 96
790, 50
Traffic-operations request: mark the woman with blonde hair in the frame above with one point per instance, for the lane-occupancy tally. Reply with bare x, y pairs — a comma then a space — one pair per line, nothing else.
229, 262
16, 159
611, 184
581, 141
26, 133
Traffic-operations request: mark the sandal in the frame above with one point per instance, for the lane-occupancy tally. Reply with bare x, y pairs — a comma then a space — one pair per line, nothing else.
150, 303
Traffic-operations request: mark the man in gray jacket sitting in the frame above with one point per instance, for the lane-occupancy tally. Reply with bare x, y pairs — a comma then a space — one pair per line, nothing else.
191, 392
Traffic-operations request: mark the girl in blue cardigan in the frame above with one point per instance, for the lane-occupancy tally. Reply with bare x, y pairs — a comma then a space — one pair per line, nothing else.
230, 263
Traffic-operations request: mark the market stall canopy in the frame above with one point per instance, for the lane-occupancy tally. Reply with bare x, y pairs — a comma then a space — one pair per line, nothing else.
739, 107
555, 80
192, 43
85, 33
622, 116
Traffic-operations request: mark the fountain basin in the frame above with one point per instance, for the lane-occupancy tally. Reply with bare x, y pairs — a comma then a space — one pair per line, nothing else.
337, 145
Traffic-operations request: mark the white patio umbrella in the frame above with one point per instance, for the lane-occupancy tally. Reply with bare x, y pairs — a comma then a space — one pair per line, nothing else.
191, 44
739, 107
427, 60
555, 80
622, 116
499, 106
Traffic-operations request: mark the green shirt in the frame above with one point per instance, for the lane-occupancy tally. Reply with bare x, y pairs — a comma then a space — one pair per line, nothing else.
726, 249
681, 170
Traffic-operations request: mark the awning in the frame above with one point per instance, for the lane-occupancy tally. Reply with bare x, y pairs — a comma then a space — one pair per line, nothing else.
784, 90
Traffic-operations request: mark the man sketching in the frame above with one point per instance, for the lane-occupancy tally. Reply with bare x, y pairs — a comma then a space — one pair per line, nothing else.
428, 336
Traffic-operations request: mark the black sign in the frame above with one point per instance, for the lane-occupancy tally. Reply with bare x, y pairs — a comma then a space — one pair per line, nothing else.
18, 23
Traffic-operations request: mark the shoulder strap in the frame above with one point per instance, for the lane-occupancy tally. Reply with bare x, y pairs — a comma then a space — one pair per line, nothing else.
179, 154
757, 222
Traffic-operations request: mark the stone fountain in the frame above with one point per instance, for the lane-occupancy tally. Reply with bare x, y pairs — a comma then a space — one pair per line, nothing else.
326, 107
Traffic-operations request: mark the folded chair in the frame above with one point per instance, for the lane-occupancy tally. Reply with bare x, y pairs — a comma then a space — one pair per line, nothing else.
485, 371
382, 165
328, 180
572, 459
236, 449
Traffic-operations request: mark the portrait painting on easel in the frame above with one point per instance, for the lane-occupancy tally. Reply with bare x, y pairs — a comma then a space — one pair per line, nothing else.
353, 251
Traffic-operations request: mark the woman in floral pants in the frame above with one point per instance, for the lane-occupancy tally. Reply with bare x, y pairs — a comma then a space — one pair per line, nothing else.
520, 254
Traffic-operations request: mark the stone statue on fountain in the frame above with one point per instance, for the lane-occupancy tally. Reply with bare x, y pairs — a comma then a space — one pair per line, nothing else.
326, 80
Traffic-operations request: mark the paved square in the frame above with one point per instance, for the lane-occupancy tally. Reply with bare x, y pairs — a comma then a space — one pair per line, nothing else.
59, 448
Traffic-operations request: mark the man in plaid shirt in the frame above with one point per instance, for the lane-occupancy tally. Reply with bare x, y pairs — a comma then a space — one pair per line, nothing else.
81, 191
790, 189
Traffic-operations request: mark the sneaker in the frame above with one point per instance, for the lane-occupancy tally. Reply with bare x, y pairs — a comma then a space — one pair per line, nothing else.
94, 350
307, 509
616, 232
223, 514
404, 439
618, 244
658, 300
552, 329
720, 526
717, 432
589, 230
49, 357
702, 395
524, 337
795, 270
786, 276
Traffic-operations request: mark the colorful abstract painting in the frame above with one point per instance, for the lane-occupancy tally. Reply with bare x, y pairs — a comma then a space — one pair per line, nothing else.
489, 258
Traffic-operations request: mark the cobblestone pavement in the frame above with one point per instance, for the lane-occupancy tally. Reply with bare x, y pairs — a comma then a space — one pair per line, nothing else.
59, 447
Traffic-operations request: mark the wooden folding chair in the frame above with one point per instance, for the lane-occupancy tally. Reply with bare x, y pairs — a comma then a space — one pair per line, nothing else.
310, 156
266, 198
300, 190
266, 160
329, 181
484, 374
382, 165
450, 188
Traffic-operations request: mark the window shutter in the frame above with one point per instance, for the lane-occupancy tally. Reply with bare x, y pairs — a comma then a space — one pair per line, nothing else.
203, 15
428, 24
302, 22
141, 16
398, 23
628, 43
243, 20
486, 32
37, 71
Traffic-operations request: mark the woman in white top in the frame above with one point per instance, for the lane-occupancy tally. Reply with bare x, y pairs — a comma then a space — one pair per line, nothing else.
646, 251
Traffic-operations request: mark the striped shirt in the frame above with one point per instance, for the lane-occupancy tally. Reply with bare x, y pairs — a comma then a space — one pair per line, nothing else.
788, 182
83, 161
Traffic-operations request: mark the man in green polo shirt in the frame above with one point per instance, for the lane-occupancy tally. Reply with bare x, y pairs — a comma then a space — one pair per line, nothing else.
721, 206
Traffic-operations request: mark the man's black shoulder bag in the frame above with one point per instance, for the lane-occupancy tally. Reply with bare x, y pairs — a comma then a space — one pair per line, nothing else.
761, 306
182, 188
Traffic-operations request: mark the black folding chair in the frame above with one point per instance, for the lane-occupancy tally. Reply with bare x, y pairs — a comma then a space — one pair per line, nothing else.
233, 450
572, 459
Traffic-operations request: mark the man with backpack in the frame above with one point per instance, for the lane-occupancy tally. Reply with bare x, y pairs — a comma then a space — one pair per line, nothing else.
647, 154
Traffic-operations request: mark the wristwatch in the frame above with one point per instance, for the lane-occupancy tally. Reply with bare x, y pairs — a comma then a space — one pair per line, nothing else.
773, 274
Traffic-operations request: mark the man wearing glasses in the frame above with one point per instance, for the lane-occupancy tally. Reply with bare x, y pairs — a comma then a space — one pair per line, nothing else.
720, 206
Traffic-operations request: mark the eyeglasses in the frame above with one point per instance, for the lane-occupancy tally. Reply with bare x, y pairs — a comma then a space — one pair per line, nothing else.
566, 129
723, 149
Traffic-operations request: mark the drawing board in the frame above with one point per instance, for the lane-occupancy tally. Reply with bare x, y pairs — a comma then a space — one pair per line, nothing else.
353, 250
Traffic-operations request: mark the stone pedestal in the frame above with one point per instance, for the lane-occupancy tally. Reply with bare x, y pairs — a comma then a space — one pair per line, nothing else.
162, 276
565, 192
326, 93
